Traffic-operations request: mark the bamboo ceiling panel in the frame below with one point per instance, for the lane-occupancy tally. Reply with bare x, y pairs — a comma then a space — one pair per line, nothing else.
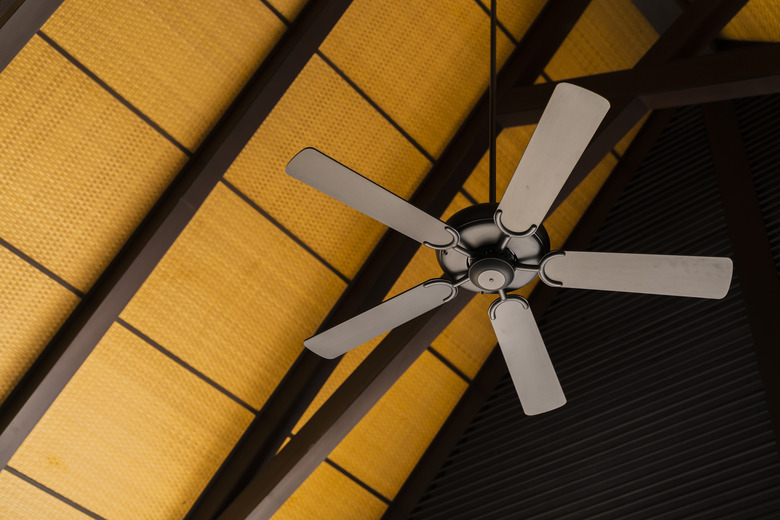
610, 35
180, 62
78, 170
386, 444
32, 308
422, 267
288, 8
134, 435
323, 111
330, 495
759, 20
20, 500
235, 297
516, 16
425, 63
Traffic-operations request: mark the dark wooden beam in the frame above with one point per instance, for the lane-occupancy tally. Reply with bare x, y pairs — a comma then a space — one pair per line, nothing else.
494, 367
19, 21
753, 260
743, 72
388, 260
276, 481
86, 326
689, 35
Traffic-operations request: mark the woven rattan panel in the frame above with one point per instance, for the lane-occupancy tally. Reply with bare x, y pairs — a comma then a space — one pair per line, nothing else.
32, 308
759, 20
423, 62
78, 169
20, 500
330, 495
133, 435
181, 62
234, 297
666, 416
516, 17
321, 110
610, 35
288, 8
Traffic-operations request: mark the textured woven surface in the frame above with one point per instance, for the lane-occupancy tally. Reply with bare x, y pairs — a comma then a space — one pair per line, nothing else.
610, 35
32, 308
78, 170
235, 297
288, 8
321, 110
384, 447
330, 495
22, 501
424, 62
515, 16
134, 435
180, 62
759, 20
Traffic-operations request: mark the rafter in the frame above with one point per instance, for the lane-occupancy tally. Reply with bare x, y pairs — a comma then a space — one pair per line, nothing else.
742, 72
387, 262
753, 260
134, 263
19, 21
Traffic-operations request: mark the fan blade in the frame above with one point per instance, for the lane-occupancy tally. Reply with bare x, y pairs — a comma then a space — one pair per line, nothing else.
566, 127
336, 180
695, 276
526, 356
378, 320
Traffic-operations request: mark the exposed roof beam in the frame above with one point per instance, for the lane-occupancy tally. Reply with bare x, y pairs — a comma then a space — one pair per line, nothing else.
494, 367
690, 34
19, 21
746, 71
753, 259
391, 256
266, 493
124, 276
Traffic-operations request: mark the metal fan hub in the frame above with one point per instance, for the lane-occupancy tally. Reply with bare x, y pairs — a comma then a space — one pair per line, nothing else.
480, 234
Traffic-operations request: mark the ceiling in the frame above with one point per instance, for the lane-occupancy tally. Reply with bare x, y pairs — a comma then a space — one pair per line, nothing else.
160, 271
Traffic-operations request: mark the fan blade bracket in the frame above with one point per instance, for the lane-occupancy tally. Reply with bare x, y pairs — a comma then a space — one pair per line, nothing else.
452, 244
442, 281
511, 297
543, 275
508, 232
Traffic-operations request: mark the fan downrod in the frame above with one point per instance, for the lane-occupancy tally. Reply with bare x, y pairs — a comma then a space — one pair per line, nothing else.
491, 268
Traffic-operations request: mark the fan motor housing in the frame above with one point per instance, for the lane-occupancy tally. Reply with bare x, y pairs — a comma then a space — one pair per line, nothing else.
491, 268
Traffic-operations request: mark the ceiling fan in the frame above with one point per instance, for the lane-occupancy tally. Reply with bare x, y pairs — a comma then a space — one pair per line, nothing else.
498, 248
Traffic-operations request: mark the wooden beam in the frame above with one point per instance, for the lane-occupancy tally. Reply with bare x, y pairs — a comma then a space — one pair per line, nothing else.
742, 72
275, 482
19, 21
691, 33
494, 367
124, 276
753, 260
391, 256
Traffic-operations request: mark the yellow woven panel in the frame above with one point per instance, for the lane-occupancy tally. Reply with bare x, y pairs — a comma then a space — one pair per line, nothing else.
133, 435
329, 495
516, 16
321, 110
424, 62
385, 446
235, 297
32, 308
288, 8
610, 35
181, 62
78, 170
759, 20
22, 501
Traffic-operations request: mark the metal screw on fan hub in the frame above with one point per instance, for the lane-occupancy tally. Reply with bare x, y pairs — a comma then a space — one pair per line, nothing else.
491, 274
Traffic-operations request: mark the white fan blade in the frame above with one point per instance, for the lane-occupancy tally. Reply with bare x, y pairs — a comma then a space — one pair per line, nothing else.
526, 356
566, 127
694, 276
378, 320
336, 180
